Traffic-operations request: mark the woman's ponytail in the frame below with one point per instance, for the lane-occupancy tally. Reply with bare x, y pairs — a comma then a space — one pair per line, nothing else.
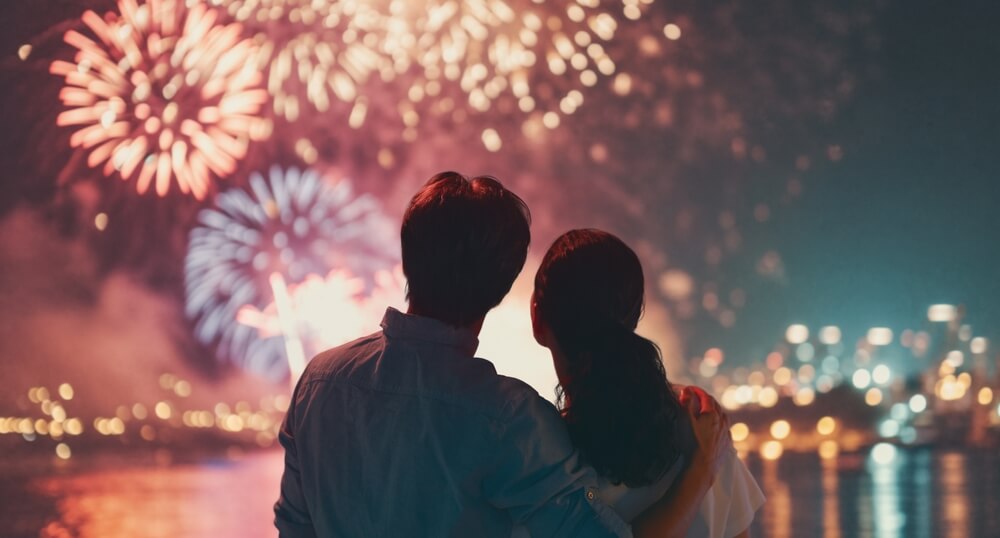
619, 408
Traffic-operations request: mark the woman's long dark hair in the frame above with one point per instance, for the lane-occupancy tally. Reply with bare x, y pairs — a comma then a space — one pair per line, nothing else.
621, 411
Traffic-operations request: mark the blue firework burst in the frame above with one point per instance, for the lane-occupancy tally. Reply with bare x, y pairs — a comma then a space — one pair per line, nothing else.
295, 223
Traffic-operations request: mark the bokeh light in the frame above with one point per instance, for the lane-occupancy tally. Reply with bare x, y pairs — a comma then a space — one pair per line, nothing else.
941, 313
828, 449
879, 336
771, 450
780, 429
829, 335
739, 431
881, 374
826, 425
861, 378
883, 453
797, 334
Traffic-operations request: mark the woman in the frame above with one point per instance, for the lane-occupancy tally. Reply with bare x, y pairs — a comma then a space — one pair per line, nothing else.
621, 412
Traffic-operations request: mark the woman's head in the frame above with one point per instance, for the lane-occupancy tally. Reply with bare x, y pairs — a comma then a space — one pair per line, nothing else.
588, 276
615, 398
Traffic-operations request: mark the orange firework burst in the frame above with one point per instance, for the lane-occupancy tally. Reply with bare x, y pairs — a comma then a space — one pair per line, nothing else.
164, 93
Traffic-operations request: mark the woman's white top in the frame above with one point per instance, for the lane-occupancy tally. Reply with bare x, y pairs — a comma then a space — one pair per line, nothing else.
727, 510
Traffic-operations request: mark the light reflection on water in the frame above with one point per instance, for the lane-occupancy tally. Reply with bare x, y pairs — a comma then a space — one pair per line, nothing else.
777, 511
887, 512
212, 498
922, 493
951, 482
831, 500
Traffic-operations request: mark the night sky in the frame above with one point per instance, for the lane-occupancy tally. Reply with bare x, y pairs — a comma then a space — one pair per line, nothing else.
905, 220
908, 218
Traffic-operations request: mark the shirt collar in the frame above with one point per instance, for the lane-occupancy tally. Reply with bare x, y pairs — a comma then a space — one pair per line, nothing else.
396, 324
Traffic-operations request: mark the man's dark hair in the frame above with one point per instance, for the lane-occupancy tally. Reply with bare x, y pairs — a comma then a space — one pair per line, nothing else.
464, 242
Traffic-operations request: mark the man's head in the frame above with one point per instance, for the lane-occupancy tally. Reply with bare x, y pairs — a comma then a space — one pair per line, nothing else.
464, 242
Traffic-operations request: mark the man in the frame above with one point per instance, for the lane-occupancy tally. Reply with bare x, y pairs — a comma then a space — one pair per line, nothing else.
406, 433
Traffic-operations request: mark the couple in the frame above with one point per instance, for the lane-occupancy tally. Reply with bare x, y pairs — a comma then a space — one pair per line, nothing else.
406, 433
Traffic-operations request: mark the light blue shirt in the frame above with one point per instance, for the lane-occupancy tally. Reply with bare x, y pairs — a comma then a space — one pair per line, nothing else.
405, 433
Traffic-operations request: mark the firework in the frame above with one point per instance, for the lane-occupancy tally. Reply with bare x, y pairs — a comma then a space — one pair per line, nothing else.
490, 47
293, 224
314, 51
325, 311
163, 94
445, 58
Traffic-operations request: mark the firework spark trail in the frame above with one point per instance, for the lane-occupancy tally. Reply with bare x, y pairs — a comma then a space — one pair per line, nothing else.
330, 310
163, 94
293, 223
448, 58
315, 51
294, 352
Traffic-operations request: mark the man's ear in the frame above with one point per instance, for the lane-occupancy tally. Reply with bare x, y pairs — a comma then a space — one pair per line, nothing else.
537, 327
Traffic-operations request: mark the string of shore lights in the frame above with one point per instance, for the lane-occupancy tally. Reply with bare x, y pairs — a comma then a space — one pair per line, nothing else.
950, 387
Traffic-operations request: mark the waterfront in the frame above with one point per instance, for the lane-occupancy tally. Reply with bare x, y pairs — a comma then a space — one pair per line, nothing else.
919, 493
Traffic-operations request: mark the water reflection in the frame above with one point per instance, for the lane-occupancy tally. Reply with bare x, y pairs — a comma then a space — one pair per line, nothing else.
919, 493
952, 484
889, 518
921, 511
219, 498
915, 492
831, 499
777, 516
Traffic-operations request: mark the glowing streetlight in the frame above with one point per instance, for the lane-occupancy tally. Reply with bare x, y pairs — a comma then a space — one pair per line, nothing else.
941, 313
797, 334
879, 336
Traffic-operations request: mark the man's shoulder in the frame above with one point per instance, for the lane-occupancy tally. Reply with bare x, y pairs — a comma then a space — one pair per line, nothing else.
469, 382
514, 389
507, 396
326, 363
